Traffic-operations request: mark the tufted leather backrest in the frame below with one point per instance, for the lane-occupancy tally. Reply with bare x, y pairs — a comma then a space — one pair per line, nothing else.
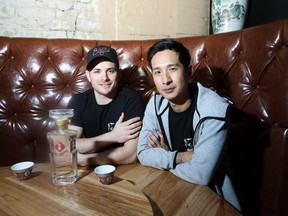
249, 66
37, 75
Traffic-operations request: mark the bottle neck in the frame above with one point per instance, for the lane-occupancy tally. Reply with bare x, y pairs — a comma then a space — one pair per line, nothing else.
62, 124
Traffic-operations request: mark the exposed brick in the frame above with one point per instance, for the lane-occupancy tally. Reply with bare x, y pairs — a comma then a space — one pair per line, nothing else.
105, 19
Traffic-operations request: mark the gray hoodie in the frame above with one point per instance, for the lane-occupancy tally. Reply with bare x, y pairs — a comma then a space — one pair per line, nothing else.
209, 164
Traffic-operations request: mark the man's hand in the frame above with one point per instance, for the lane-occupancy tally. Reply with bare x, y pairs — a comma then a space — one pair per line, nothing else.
156, 142
183, 157
127, 130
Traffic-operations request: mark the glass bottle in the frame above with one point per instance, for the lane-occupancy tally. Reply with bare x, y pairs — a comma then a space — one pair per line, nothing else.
63, 152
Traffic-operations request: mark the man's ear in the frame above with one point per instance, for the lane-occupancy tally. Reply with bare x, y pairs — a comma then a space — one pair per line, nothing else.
87, 73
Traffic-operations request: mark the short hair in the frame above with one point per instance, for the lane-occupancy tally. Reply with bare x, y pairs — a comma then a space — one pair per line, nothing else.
170, 44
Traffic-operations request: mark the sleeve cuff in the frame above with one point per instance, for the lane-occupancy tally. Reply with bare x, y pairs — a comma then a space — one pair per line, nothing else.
174, 162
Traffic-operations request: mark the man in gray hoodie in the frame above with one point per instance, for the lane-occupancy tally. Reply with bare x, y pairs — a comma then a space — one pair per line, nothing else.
184, 126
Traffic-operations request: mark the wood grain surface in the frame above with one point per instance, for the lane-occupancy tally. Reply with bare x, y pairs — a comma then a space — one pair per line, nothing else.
135, 190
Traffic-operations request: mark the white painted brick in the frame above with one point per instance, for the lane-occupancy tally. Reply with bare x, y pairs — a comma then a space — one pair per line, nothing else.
19, 3
104, 19
31, 12
54, 34
6, 11
54, 23
64, 5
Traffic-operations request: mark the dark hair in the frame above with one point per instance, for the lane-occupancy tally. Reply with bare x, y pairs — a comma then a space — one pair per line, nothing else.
170, 44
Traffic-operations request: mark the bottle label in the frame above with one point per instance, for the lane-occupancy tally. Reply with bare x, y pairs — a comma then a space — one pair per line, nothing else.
59, 146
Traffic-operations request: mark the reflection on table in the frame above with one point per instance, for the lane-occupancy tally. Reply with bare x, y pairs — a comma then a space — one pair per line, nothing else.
135, 190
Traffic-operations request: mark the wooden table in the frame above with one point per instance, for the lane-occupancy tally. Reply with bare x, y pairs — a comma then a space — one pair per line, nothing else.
135, 190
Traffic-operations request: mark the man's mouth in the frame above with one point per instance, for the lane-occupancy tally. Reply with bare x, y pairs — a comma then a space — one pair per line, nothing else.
105, 85
168, 90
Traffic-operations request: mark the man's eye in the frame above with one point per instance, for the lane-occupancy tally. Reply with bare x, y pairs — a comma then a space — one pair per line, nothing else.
112, 71
173, 69
156, 72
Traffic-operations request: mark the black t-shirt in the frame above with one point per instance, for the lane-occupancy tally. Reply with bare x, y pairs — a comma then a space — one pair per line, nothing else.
97, 119
180, 126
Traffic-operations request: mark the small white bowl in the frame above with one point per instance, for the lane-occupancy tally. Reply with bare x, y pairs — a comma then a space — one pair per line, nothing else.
22, 170
105, 173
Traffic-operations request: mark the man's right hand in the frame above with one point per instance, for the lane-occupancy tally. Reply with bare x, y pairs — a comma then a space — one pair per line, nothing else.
126, 130
183, 157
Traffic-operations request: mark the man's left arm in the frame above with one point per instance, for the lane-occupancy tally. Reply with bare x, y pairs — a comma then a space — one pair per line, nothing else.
125, 154
210, 139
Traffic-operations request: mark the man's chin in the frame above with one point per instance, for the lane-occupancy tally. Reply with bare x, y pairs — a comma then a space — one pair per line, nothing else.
168, 96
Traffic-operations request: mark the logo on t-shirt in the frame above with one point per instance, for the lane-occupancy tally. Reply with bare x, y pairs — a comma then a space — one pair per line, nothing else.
188, 143
110, 126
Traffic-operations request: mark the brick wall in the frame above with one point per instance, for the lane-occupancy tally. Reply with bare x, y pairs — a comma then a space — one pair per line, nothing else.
104, 19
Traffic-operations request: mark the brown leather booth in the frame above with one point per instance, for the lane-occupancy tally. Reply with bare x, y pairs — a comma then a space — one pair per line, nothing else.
249, 66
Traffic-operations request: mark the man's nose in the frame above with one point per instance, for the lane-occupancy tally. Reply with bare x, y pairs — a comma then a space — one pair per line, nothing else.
166, 79
105, 76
